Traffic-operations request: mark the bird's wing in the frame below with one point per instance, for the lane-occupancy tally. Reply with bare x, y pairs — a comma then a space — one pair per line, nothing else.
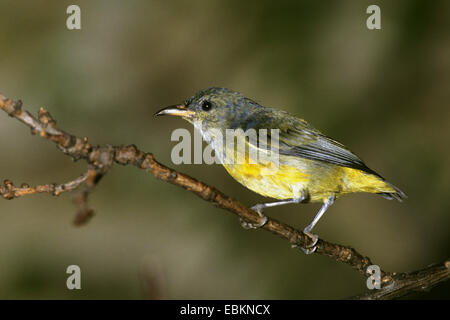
299, 139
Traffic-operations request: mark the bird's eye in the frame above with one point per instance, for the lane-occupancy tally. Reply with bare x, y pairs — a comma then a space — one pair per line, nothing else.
206, 105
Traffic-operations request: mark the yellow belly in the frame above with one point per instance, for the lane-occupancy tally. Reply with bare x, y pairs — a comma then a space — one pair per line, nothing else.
317, 183
283, 182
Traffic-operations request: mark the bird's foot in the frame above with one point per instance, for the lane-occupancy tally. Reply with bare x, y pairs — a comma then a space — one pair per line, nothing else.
247, 225
313, 246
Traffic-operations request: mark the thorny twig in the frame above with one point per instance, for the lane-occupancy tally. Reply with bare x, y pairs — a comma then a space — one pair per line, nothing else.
101, 158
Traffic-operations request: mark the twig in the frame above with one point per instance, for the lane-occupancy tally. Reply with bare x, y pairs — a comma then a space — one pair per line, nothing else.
101, 158
406, 283
9, 191
85, 213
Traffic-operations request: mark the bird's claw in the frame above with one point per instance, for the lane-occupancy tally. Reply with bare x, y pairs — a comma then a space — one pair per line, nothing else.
247, 225
312, 247
258, 208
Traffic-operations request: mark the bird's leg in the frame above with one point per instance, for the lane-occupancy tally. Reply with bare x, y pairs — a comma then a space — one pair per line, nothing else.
261, 206
312, 247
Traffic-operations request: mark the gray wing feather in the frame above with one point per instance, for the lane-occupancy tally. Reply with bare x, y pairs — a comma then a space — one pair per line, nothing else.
298, 138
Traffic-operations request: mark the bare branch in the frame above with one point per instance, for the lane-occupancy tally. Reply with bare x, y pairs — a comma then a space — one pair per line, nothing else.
9, 191
101, 158
406, 283
85, 213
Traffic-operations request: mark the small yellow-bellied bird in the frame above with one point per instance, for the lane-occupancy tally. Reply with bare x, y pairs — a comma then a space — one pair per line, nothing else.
311, 166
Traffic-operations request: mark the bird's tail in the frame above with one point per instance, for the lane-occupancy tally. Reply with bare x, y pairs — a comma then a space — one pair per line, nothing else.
397, 194
360, 181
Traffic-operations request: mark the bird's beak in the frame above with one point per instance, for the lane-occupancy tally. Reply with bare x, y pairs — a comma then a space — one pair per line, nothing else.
179, 110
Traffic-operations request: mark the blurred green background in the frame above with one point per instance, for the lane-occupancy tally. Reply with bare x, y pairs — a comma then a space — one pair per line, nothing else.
385, 94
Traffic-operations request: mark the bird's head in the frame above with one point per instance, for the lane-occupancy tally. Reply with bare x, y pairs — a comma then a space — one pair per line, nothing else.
215, 108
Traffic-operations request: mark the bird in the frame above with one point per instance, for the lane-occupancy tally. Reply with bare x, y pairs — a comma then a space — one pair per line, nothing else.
309, 167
